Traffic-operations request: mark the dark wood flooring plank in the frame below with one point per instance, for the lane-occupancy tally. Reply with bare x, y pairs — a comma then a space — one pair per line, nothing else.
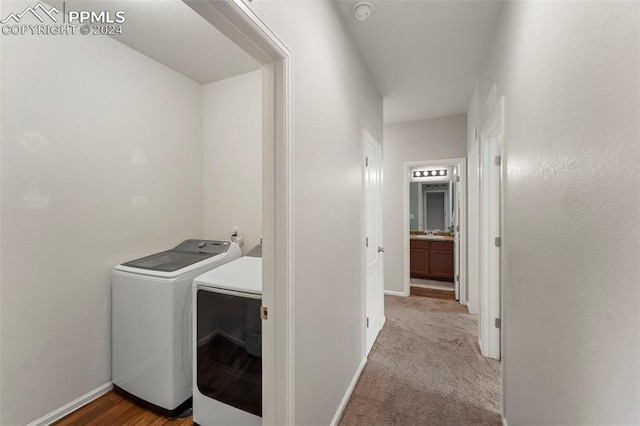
112, 409
436, 294
121, 414
91, 411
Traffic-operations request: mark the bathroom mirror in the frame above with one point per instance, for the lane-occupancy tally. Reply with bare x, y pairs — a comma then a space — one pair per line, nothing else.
432, 202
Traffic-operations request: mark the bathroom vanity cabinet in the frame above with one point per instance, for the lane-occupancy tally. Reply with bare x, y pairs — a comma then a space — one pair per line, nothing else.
431, 260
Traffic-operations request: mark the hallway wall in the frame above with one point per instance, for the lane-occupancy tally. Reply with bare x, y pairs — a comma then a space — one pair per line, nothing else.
430, 139
335, 99
569, 73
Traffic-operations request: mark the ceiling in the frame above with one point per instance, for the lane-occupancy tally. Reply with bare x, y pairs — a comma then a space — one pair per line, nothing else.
424, 55
171, 33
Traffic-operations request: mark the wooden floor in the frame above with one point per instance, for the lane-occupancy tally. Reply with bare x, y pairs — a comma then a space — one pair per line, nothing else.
113, 410
436, 294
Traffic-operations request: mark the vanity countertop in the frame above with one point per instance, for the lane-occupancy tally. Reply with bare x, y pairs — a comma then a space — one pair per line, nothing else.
431, 237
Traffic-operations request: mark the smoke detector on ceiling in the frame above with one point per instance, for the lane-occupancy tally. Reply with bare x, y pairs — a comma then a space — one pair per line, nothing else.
362, 10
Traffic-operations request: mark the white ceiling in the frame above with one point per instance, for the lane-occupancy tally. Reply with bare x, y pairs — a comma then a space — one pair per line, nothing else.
424, 55
171, 33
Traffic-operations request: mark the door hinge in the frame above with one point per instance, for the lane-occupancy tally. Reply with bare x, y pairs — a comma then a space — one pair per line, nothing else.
264, 313
457, 178
458, 228
458, 278
366, 161
498, 160
366, 242
367, 322
498, 241
498, 323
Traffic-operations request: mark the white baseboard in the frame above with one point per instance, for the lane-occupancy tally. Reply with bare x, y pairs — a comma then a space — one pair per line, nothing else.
69, 408
347, 395
504, 421
395, 293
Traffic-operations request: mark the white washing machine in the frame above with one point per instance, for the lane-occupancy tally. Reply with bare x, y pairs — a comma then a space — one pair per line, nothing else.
227, 344
151, 322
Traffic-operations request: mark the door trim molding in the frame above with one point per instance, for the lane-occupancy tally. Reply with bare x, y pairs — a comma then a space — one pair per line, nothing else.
241, 25
461, 163
473, 250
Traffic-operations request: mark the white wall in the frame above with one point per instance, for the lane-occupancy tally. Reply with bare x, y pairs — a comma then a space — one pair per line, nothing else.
101, 163
473, 203
569, 72
232, 157
430, 139
334, 100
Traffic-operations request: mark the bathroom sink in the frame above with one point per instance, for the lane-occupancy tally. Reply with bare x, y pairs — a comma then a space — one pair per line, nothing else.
429, 237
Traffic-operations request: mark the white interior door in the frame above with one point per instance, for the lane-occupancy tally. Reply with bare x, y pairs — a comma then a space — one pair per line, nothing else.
374, 252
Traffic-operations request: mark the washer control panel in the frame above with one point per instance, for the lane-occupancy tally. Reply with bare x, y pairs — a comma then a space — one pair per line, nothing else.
204, 246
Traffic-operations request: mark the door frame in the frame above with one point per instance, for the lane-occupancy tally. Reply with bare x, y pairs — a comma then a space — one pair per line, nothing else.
242, 26
473, 230
461, 164
367, 138
492, 300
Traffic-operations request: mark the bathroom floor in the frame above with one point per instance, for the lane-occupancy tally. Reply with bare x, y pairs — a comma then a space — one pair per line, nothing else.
434, 294
433, 284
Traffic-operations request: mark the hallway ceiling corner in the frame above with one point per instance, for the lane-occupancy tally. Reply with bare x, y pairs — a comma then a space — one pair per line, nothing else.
424, 55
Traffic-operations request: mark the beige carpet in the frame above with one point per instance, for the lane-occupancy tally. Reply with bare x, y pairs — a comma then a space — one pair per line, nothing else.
426, 369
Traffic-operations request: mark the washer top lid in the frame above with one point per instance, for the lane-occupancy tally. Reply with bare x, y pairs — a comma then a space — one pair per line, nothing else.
184, 254
243, 275
168, 261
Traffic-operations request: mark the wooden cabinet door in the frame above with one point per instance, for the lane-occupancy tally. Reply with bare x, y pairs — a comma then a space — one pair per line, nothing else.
441, 264
419, 262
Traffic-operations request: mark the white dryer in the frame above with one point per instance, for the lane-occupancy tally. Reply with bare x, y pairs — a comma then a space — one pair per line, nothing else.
227, 344
151, 322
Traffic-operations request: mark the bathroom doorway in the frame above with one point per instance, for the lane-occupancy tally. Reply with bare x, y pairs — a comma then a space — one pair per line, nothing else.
435, 228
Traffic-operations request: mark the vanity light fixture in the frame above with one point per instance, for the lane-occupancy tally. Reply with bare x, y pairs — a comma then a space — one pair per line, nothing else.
430, 173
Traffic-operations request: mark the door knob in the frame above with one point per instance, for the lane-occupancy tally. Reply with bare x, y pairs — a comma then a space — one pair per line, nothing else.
380, 249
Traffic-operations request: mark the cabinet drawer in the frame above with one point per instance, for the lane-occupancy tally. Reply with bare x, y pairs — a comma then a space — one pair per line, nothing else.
417, 244
441, 246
